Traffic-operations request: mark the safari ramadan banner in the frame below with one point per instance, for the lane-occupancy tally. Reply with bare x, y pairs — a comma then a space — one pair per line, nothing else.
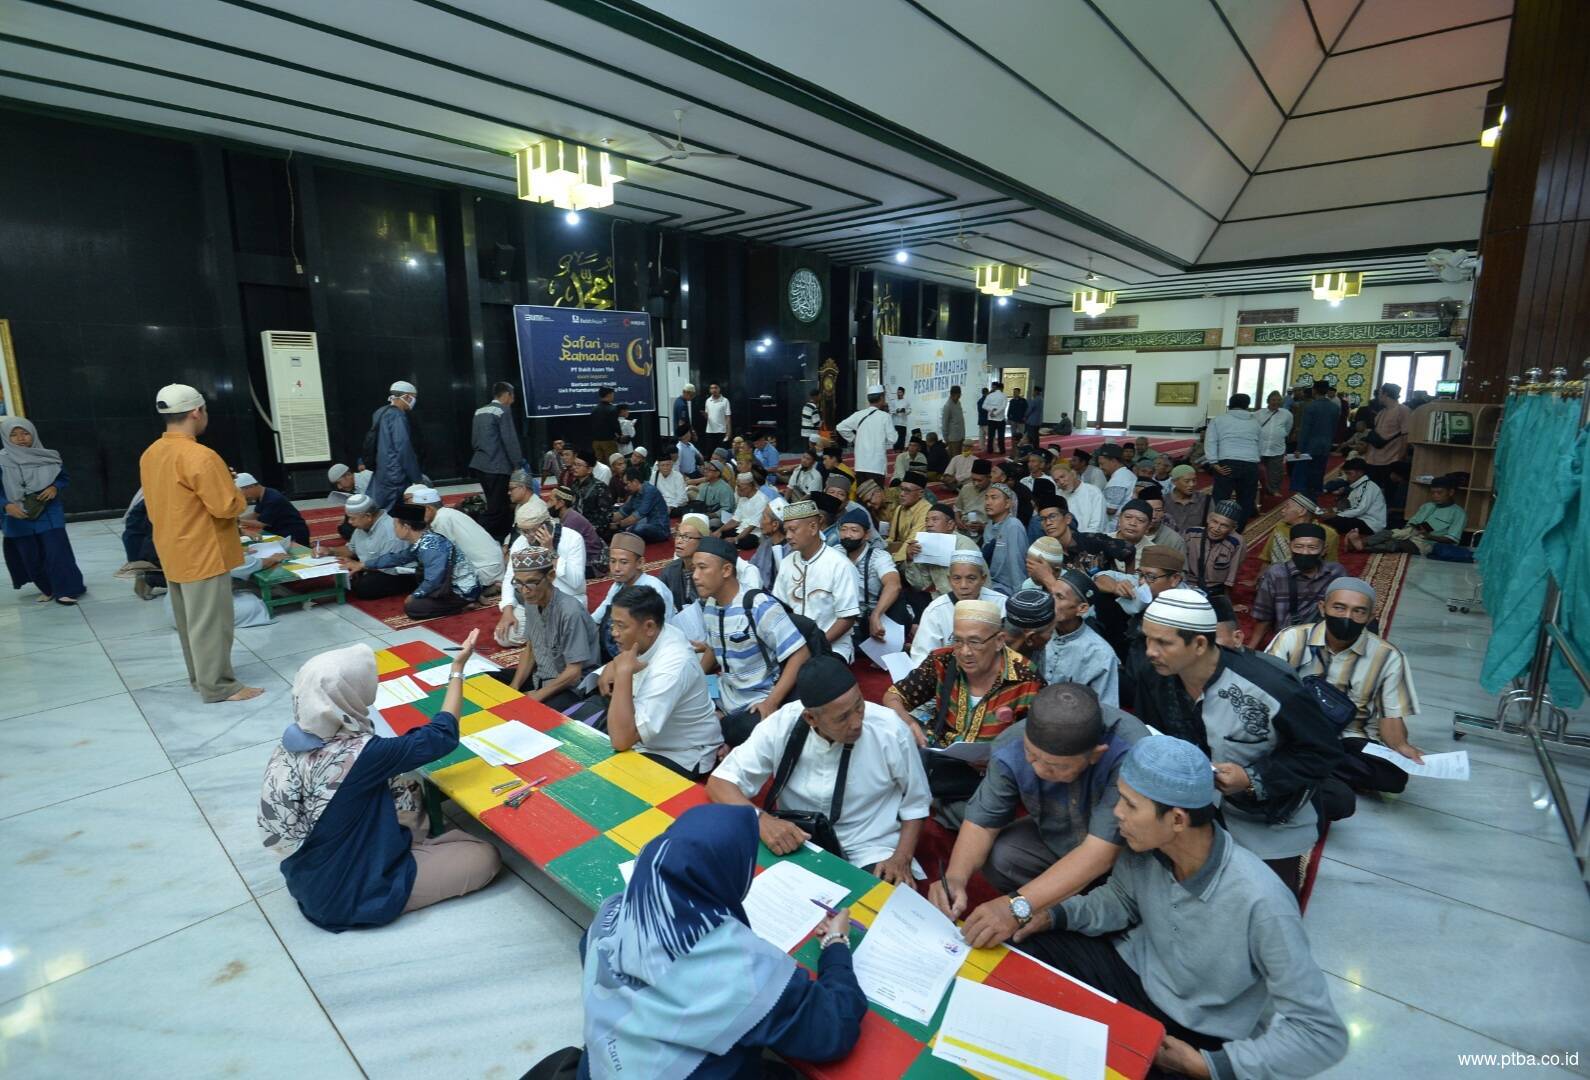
567, 354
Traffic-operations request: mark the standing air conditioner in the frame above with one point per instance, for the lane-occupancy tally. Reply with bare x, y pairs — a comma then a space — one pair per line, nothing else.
297, 401
673, 369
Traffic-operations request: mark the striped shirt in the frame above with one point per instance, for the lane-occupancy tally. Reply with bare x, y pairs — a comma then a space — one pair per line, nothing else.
744, 676
1371, 671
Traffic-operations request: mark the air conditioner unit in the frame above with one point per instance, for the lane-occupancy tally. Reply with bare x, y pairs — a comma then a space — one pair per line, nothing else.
297, 400
673, 371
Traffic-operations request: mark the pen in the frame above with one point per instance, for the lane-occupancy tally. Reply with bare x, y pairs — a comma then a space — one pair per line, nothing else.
505, 787
854, 925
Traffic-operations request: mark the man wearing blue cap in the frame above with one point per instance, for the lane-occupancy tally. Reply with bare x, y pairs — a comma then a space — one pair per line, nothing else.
1193, 930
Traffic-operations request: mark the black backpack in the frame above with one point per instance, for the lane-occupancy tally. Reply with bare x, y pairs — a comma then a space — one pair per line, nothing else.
367, 451
816, 641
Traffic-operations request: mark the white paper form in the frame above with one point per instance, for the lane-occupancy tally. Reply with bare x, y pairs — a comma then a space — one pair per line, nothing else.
398, 691
1450, 766
780, 906
305, 573
970, 752
910, 954
897, 664
1003, 1035
893, 642
936, 548
266, 550
438, 675
509, 743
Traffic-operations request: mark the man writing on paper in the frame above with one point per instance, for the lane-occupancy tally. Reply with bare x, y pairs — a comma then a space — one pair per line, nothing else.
273, 511
483, 550
558, 633
1061, 766
371, 537
1192, 930
861, 772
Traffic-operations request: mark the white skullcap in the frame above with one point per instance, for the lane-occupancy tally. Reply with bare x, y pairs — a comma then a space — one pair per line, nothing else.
689, 388
359, 504
744, 478
178, 398
531, 513
697, 521
983, 611
401, 387
246, 480
968, 555
1184, 609
641, 450
426, 496
336, 472
412, 488
876, 389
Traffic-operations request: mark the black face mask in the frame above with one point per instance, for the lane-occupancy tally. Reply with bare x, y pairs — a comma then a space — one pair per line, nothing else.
1342, 628
1307, 563
851, 543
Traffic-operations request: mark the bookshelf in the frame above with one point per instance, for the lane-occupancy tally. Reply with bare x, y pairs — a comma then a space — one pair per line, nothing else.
1452, 436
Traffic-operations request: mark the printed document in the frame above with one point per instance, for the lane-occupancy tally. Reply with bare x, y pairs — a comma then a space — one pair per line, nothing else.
990, 1031
780, 906
910, 954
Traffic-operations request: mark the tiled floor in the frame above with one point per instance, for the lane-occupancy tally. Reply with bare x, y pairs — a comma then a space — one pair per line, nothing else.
144, 930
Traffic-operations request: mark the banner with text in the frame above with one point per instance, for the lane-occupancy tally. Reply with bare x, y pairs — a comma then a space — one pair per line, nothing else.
567, 354
927, 368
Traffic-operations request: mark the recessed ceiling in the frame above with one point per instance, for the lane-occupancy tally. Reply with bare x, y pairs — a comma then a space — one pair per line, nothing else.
1175, 149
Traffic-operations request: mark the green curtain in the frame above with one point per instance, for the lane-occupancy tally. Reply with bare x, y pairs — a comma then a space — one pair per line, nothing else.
1539, 476
1570, 561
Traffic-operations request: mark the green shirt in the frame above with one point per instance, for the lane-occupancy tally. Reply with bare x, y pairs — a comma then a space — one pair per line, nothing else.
1443, 520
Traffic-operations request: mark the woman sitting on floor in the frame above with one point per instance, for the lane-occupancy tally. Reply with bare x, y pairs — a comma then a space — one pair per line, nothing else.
36, 547
335, 806
676, 984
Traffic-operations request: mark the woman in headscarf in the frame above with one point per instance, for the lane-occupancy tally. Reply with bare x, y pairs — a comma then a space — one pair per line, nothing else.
334, 804
36, 547
676, 984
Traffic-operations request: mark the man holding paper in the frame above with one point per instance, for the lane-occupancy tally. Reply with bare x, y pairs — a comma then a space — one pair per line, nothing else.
927, 564
1342, 649
853, 764
1060, 765
1193, 930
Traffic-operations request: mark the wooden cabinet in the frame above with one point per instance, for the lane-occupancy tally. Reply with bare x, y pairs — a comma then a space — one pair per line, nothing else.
1439, 448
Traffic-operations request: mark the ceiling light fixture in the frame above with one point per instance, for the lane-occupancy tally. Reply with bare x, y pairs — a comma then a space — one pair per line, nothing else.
900, 254
571, 218
1092, 277
1092, 302
1000, 279
1337, 285
568, 176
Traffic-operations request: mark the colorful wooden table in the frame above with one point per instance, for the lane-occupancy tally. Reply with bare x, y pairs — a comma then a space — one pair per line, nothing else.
596, 809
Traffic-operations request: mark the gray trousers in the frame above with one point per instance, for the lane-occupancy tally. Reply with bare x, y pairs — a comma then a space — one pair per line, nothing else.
1019, 855
203, 614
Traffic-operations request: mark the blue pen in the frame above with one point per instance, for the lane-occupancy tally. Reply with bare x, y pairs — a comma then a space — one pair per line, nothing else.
854, 925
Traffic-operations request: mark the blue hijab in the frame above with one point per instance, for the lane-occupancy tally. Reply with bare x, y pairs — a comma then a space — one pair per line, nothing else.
673, 973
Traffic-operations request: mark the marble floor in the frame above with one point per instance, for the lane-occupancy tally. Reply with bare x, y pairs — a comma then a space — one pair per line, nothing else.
144, 930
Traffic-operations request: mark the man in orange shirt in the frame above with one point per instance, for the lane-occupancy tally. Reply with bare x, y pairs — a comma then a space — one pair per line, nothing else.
193, 509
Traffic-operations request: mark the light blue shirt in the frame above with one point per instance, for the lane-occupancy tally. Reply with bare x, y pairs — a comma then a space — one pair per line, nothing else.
767, 456
689, 458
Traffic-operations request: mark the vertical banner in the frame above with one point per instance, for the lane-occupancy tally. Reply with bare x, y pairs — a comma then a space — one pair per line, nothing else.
927, 368
567, 354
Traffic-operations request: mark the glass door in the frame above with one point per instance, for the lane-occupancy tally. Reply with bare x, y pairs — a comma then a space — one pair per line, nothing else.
1102, 394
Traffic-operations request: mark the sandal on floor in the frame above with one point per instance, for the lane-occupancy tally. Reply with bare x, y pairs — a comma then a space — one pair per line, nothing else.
44, 599
69, 601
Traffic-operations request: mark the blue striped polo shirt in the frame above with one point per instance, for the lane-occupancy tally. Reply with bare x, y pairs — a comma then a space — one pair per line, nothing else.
744, 677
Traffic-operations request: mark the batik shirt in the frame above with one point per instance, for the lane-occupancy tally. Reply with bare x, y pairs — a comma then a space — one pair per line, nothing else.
967, 721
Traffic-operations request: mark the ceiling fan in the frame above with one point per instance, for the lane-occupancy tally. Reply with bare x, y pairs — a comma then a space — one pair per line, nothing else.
962, 238
677, 151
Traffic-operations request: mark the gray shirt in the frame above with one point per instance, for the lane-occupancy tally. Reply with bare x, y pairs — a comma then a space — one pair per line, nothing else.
1066, 814
1233, 436
379, 539
560, 634
1222, 953
1082, 656
952, 422
871, 566
496, 442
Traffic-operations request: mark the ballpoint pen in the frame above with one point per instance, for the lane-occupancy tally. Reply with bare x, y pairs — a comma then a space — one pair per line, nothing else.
854, 925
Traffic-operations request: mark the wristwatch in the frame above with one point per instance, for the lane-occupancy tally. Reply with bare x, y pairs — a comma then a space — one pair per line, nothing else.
1020, 908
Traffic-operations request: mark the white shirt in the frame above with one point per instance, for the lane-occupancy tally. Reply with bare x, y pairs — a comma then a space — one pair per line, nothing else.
569, 571
1273, 430
870, 434
1366, 502
806, 480
361, 484
994, 406
899, 411
884, 784
626, 434
673, 713
718, 414
1118, 489
1086, 504
824, 590
483, 553
748, 513
653, 583
959, 470
937, 625
1095, 476
671, 487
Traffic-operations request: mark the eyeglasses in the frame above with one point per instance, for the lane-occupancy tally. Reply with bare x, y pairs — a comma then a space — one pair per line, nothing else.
526, 586
971, 643
1151, 578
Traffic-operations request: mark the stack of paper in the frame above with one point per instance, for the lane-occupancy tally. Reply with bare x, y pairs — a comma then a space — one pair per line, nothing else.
438, 675
398, 691
780, 906
509, 743
891, 645
910, 954
994, 1033
267, 549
